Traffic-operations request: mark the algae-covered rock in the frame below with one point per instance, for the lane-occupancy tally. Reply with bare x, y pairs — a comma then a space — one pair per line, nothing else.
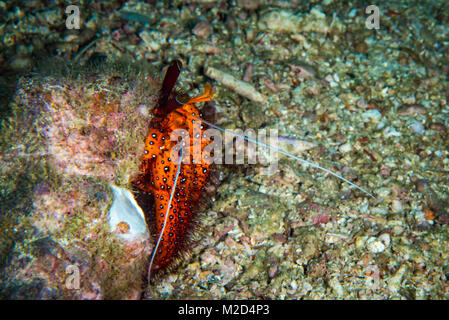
68, 139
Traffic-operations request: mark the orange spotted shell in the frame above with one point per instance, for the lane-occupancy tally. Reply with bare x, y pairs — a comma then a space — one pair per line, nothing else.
158, 173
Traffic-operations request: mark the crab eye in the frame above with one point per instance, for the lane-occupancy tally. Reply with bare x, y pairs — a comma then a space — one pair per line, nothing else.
182, 98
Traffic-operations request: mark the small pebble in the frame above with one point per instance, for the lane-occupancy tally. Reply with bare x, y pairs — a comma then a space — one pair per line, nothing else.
352, 13
378, 245
336, 286
361, 103
372, 115
412, 109
385, 238
396, 205
150, 41
385, 171
304, 70
361, 47
391, 132
273, 270
345, 147
202, 30
438, 126
422, 186
394, 283
418, 128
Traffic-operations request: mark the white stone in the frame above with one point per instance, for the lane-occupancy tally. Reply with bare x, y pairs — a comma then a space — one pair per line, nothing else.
336, 286
378, 245
317, 13
418, 128
386, 239
396, 205
153, 40
372, 115
375, 246
391, 132
394, 283
345, 147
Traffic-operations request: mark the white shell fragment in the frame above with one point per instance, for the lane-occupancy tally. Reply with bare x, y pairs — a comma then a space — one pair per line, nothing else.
126, 218
294, 146
372, 115
153, 40
379, 244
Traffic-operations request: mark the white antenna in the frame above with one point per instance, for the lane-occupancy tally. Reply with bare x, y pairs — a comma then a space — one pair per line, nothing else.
287, 154
166, 215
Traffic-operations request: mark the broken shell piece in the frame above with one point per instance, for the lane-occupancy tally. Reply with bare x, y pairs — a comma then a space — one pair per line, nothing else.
412, 109
304, 70
294, 146
202, 30
379, 244
126, 218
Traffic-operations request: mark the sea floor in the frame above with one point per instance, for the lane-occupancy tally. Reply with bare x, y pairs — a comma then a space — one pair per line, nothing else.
370, 104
